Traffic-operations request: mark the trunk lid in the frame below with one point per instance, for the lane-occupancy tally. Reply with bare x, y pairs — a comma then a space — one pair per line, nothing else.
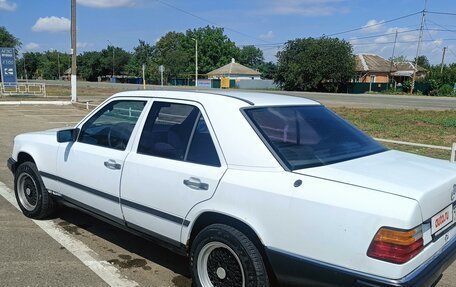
431, 182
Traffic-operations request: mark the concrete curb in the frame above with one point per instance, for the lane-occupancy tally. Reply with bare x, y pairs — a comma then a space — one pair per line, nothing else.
16, 103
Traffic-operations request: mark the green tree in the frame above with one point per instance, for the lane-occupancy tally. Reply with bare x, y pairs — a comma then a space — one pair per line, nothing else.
400, 58
315, 64
48, 65
28, 65
215, 49
143, 54
89, 65
268, 70
176, 52
251, 56
114, 59
423, 62
9, 40
173, 52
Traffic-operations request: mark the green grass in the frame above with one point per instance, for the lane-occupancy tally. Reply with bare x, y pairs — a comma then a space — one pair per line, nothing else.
426, 127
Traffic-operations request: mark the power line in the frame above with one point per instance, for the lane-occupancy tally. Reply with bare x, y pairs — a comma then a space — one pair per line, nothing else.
354, 38
373, 25
441, 30
436, 45
451, 51
386, 34
443, 27
442, 13
402, 42
208, 21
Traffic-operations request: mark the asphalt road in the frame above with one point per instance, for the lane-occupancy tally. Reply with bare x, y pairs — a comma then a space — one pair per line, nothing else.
379, 101
29, 256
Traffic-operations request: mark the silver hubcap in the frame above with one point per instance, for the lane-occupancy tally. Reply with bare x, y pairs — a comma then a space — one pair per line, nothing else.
219, 266
27, 191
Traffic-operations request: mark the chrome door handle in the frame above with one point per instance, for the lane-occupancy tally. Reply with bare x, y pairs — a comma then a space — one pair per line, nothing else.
195, 183
112, 164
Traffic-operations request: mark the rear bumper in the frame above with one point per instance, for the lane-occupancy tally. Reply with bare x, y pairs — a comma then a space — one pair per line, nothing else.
12, 165
293, 270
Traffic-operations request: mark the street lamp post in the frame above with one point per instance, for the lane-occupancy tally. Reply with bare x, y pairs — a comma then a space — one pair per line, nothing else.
73, 52
113, 57
196, 61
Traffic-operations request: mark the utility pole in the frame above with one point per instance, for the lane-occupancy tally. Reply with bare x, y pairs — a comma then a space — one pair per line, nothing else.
392, 55
418, 48
161, 69
73, 52
196, 61
58, 64
144, 75
443, 60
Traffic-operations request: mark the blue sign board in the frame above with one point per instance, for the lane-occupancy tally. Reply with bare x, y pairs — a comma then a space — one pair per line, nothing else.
8, 66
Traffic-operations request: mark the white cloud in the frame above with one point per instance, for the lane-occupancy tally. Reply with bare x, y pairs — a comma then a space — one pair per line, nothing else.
52, 24
31, 46
381, 39
107, 3
83, 45
304, 7
268, 35
373, 26
7, 6
270, 54
406, 45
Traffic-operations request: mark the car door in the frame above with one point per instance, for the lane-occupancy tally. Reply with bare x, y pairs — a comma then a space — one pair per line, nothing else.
177, 164
89, 169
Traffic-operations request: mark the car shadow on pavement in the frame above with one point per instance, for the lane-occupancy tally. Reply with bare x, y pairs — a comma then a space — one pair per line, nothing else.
87, 228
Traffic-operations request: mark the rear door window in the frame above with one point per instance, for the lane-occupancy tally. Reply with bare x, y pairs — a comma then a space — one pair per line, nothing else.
179, 132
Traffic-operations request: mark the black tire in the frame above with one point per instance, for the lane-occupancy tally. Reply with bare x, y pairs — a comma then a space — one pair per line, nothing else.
31, 194
222, 256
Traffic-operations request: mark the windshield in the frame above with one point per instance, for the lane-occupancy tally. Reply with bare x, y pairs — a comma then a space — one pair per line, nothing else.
309, 136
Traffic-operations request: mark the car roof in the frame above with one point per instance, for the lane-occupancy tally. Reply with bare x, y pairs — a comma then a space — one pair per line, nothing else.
248, 98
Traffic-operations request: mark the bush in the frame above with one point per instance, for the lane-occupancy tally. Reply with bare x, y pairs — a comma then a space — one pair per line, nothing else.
445, 91
392, 91
406, 86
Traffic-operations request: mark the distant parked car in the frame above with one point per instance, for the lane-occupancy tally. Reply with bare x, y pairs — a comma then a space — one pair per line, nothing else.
255, 188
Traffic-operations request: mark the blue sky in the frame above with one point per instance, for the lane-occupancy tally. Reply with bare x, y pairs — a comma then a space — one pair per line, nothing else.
44, 24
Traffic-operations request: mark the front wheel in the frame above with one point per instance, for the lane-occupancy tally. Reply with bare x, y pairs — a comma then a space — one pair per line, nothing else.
222, 256
31, 194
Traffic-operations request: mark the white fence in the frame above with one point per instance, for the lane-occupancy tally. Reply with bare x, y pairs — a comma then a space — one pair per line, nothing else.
452, 149
23, 89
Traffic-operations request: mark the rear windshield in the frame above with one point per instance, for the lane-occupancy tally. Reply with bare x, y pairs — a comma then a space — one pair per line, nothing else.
309, 136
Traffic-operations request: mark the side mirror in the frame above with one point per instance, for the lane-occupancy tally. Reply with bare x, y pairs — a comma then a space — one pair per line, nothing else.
69, 135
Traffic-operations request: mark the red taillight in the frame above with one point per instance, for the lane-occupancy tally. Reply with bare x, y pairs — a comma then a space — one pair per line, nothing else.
396, 246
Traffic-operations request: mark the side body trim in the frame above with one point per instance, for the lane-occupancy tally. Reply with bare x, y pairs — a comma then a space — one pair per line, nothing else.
295, 270
134, 205
155, 212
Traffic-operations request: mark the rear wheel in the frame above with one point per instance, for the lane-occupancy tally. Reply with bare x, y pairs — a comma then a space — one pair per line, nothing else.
222, 256
31, 195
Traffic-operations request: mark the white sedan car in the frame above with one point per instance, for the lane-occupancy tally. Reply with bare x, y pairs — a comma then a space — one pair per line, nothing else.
257, 189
